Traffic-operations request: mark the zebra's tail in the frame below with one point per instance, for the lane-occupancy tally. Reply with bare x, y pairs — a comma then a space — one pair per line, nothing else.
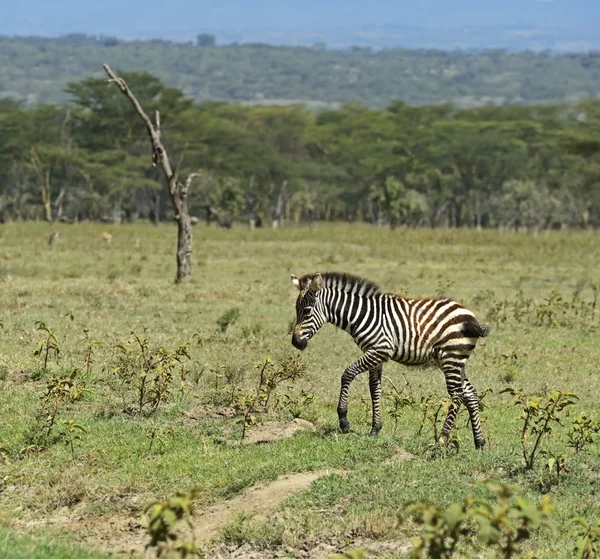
474, 329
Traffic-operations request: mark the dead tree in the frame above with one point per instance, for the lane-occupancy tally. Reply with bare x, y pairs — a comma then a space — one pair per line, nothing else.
178, 191
280, 205
252, 203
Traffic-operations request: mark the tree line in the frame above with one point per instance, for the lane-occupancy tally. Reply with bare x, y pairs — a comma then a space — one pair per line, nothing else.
258, 73
432, 165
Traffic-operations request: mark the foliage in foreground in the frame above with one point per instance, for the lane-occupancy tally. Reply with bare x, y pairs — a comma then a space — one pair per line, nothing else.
501, 524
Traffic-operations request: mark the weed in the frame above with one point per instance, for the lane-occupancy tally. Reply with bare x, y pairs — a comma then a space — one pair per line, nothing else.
146, 373
164, 516
74, 433
503, 522
588, 538
582, 432
60, 392
47, 345
228, 318
399, 402
538, 415
298, 404
160, 437
90, 344
253, 331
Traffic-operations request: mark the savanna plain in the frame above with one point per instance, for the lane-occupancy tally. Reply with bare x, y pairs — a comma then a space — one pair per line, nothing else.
121, 388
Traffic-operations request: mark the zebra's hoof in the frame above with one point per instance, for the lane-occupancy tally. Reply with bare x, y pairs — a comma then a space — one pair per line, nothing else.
345, 427
480, 446
374, 432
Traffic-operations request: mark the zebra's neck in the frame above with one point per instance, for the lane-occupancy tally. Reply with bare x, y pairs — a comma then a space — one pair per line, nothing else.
349, 311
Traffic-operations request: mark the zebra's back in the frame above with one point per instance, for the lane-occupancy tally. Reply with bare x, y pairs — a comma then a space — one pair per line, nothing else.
424, 329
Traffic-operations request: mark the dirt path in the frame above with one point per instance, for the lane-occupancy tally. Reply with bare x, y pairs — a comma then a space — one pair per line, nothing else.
122, 533
256, 500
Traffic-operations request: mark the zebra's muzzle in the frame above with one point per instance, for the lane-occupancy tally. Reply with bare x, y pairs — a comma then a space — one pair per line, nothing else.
299, 343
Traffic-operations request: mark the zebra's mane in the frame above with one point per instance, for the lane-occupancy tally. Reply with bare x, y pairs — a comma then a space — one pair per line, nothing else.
350, 283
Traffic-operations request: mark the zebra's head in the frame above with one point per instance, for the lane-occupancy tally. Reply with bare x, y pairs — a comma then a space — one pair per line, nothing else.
309, 309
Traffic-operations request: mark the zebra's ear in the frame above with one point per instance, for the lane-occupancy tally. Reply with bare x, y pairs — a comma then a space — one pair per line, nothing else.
296, 282
316, 283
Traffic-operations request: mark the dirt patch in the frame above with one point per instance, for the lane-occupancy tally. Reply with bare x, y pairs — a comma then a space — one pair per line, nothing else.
210, 411
120, 533
272, 431
401, 455
322, 550
256, 500
114, 532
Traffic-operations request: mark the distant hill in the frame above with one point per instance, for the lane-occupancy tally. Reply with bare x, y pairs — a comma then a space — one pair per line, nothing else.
36, 70
465, 37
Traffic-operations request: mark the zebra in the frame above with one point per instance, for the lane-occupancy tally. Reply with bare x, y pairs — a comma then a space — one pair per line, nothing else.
387, 327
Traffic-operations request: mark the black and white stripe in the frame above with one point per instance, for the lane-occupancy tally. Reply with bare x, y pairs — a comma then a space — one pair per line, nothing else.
389, 327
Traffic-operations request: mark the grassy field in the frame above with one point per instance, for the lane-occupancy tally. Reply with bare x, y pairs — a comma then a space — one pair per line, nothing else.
537, 294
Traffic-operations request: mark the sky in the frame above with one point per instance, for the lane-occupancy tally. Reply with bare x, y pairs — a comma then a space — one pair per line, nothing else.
169, 18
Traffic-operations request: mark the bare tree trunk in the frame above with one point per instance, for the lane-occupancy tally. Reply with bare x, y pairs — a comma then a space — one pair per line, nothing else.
251, 204
44, 183
156, 208
281, 200
177, 191
58, 204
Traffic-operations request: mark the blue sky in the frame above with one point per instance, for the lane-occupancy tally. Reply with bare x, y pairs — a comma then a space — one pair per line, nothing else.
166, 18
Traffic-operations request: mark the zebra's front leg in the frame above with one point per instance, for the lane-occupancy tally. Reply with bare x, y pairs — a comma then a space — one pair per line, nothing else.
370, 360
375, 389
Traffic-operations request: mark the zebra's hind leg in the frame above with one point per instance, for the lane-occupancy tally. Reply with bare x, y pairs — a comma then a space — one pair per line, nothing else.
375, 389
472, 403
461, 390
453, 385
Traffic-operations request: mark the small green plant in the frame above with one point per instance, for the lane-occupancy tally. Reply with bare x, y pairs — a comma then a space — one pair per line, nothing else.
539, 413
233, 377
582, 432
443, 287
502, 523
228, 318
509, 522
47, 345
253, 331
90, 344
399, 402
588, 538
149, 374
556, 463
442, 528
271, 377
552, 311
298, 404
160, 436
164, 519
246, 407
510, 366
74, 433
60, 392
249, 403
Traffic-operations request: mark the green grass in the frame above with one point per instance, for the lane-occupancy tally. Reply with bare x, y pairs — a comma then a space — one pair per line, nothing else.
25, 547
115, 289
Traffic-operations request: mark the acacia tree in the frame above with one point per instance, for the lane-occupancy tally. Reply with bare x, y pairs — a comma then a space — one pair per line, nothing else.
178, 191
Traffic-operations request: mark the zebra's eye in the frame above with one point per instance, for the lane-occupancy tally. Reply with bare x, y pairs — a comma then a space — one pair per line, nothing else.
308, 310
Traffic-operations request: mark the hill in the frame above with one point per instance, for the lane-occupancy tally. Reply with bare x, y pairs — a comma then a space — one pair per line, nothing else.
36, 70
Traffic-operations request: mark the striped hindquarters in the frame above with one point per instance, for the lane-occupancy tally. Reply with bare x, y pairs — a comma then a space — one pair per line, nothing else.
430, 327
